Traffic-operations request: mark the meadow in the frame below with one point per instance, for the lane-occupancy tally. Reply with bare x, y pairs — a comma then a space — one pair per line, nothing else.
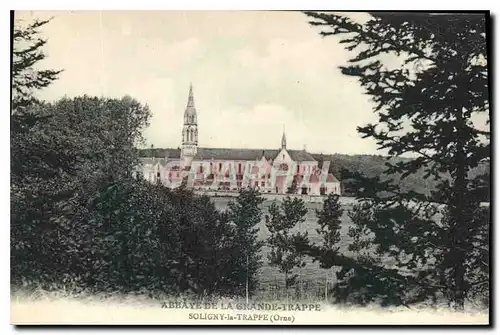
312, 278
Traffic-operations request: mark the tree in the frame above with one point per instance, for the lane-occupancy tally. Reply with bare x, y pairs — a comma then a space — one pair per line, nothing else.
245, 214
27, 52
80, 218
426, 107
54, 207
27, 79
36, 159
280, 221
329, 221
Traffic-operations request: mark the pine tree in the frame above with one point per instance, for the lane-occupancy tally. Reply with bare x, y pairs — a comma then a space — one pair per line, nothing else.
27, 79
36, 158
426, 107
329, 221
245, 214
281, 220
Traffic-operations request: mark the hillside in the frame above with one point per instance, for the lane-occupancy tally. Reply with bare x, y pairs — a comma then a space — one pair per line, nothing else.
374, 165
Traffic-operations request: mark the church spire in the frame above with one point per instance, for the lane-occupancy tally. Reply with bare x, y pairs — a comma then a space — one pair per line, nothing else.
189, 131
190, 98
283, 139
190, 112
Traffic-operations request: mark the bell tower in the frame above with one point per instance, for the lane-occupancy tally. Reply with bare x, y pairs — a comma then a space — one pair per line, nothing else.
189, 131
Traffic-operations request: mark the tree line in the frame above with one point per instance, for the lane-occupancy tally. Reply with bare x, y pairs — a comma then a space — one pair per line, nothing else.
80, 217
343, 166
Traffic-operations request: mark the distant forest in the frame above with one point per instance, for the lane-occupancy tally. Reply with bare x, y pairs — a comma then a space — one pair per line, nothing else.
374, 165
369, 166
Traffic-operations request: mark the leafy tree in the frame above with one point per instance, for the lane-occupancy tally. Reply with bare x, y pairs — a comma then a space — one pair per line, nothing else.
280, 221
245, 214
203, 238
79, 217
426, 107
49, 205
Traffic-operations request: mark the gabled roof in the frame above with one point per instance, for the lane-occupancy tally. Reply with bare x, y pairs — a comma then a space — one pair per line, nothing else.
249, 154
226, 154
234, 154
331, 179
301, 156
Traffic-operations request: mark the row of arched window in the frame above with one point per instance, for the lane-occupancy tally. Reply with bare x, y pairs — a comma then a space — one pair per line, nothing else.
190, 135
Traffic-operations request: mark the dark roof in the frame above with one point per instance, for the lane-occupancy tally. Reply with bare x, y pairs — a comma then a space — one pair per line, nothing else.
227, 154
158, 152
234, 154
301, 155
249, 154
161, 160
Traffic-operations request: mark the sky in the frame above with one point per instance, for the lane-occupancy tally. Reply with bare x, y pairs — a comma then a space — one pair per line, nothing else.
253, 75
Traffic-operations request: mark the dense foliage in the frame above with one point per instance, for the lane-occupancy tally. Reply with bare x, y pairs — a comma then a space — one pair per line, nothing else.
80, 218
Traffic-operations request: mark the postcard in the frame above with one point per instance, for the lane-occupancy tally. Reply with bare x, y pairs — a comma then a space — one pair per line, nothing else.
250, 168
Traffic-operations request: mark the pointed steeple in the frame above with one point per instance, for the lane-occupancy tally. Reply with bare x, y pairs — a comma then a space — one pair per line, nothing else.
283, 139
190, 112
189, 131
190, 98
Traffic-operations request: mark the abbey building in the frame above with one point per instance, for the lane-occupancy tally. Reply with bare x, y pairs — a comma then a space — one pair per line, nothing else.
281, 170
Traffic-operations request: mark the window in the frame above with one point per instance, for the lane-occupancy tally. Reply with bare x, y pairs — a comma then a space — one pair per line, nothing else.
239, 168
283, 156
263, 183
298, 168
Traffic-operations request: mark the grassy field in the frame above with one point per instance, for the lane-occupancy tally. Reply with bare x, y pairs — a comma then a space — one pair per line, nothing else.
313, 278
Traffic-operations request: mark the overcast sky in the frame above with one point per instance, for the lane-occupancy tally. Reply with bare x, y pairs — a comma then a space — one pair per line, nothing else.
253, 73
